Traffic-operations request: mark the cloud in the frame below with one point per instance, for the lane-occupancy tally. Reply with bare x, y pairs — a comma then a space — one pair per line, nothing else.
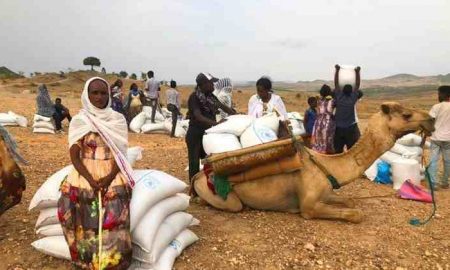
288, 40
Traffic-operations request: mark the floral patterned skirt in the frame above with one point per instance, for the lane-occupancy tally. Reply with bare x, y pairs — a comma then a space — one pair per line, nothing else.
78, 212
322, 138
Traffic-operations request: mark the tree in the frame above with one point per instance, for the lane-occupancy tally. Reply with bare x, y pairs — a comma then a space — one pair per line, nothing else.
123, 74
91, 61
103, 70
133, 76
143, 76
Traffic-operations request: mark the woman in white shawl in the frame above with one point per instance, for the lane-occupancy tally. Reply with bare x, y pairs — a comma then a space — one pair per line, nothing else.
223, 90
265, 101
98, 140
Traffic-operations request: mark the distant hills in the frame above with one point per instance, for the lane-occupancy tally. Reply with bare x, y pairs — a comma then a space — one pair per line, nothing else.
397, 80
6, 73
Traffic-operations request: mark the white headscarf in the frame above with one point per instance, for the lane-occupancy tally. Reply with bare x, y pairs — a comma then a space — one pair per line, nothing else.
223, 86
113, 124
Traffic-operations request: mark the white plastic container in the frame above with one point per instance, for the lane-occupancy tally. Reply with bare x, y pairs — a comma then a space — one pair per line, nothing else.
405, 169
412, 140
371, 172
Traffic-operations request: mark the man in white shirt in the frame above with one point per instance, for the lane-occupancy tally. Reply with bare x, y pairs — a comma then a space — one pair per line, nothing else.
152, 92
440, 139
173, 104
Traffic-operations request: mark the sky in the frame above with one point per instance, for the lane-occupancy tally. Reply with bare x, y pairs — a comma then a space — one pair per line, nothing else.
243, 40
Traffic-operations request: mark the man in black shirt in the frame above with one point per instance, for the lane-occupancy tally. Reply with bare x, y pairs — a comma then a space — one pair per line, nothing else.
61, 112
347, 132
202, 109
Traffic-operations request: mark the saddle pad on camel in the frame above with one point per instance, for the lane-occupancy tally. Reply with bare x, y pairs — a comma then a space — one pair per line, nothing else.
221, 185
237, 161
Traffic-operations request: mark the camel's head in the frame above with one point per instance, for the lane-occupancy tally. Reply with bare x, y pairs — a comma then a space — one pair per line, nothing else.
401, 120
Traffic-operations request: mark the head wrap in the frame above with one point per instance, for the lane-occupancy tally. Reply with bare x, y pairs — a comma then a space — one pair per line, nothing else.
44, 102
110, 125
224, 85
113, 123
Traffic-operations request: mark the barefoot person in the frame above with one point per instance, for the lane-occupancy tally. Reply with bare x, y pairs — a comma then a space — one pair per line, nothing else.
98, 136
265, 101
347, 131
202, 109
440, 139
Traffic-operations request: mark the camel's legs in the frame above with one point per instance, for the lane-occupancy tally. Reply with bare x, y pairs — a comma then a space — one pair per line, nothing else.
312, 208
232, 203
333, 198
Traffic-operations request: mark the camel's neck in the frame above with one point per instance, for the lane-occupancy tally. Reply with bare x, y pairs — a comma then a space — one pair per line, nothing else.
351, 165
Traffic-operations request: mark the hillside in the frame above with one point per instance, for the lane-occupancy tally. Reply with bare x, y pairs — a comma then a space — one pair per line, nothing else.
398, 80
444, 78
6, 73
402, 77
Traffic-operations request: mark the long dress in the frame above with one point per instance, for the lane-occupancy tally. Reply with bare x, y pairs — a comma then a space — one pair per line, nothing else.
323, 132
78, 211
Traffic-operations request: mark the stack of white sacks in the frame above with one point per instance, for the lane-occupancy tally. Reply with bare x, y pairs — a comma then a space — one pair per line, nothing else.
12, 119
163, 123
241, 131
296, 122
43, 124
159, 225
405, 160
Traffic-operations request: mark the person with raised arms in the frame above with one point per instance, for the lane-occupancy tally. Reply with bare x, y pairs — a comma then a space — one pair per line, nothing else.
347, 132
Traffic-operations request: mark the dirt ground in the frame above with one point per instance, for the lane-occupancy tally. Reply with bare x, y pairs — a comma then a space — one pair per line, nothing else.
250, 239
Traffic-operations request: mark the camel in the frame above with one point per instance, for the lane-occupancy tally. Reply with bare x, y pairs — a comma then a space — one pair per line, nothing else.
12, 180
308, 191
